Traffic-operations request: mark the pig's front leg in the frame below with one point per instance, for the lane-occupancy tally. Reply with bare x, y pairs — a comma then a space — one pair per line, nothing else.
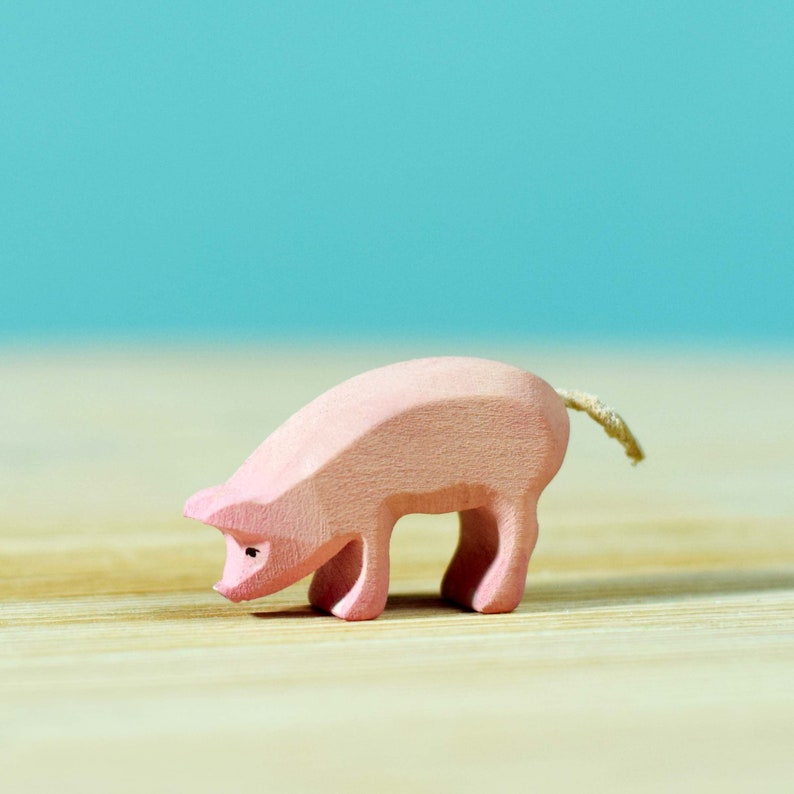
354, 584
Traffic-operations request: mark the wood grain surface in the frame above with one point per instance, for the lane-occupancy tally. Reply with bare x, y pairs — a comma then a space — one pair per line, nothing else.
653, 650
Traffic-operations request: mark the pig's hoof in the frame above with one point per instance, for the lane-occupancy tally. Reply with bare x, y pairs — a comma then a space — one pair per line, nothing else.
356, 613
463, 597
494, 603
349, 608
348, 612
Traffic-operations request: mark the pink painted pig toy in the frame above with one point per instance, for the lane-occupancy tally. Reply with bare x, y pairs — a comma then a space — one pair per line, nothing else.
436, 435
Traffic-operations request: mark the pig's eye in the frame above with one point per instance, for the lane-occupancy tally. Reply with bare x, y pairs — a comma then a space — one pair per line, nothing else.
251, 552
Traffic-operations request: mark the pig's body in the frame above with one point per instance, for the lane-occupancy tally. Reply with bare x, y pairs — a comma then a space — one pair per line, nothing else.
323, 492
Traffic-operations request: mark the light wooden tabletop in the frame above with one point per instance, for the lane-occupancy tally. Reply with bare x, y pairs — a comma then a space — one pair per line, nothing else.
653, 651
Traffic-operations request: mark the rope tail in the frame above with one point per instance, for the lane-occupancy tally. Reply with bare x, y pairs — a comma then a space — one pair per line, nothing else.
607, 417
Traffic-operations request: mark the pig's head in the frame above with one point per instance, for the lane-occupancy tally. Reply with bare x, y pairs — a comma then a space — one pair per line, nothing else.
268, 546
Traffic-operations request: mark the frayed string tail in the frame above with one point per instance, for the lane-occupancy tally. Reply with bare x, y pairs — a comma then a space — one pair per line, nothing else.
607, 417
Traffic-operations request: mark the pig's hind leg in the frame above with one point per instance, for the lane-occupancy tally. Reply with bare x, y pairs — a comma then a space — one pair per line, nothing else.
488, 570
354, 584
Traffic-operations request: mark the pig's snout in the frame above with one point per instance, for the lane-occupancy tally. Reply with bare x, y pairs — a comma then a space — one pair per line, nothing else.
228, 592
243, 591
244, 569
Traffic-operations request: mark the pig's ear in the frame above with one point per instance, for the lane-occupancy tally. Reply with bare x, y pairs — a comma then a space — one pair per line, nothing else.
202, 504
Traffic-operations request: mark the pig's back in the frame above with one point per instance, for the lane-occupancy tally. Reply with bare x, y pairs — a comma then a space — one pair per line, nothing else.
399, 421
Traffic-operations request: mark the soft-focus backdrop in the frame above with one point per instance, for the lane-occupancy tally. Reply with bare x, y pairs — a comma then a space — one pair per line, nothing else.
560, 170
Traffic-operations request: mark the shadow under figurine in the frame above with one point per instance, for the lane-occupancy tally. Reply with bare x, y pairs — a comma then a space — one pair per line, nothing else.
434, 435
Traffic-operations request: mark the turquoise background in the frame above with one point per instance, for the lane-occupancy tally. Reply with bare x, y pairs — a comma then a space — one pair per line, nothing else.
371, 170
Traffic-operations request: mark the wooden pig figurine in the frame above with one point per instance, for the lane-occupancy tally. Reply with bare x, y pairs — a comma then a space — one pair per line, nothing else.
434, 435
